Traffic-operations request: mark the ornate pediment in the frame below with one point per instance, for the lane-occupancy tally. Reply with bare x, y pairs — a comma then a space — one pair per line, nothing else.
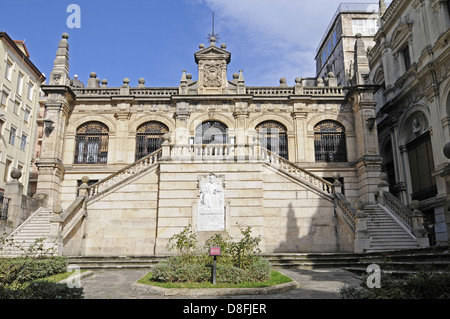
401, 33
212, 52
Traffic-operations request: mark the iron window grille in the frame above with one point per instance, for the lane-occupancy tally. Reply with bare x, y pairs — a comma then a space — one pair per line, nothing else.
329, 142
149, 138
273, 136
92, 143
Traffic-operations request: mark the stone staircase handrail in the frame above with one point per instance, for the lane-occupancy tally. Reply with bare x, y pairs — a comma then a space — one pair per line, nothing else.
346, 212
297, 172
71, 216
398, 208
127, 171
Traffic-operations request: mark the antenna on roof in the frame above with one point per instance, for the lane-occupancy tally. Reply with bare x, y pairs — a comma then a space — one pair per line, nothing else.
213, 34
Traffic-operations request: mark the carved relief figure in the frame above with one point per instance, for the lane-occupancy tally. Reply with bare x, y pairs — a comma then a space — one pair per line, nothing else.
211, 208
210, 195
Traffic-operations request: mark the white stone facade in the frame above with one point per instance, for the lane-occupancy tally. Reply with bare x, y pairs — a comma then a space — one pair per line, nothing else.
410, 62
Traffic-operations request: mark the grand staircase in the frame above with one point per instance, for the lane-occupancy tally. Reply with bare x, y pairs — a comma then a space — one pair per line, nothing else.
31, 236
384, 229
386, 233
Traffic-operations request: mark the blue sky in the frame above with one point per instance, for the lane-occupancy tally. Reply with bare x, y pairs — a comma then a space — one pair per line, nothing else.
156, 39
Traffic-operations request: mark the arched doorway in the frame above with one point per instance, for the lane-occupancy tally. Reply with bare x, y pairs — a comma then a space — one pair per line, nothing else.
149, 137
273, 136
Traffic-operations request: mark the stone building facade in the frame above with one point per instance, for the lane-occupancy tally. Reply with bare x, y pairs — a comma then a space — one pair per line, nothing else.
410, 62
20, 83
335, 52
125, 168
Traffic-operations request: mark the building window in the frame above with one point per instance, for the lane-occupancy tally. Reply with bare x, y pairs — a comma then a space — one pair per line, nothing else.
92, 143
8, 70
329, 142
211, 132
19, 84
12, 135
23, 142
406, 58
1, 129
273, 136
149, 137
367, 27
5, 96
30, 90
26, 115
421, 164
16, 106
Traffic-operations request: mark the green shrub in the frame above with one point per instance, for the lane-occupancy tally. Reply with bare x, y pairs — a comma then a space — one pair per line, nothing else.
25, 269
50, 290
424, 284
239, 261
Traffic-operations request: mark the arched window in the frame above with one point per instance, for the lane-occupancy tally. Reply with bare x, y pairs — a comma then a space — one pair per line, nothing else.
211, 132
329, 142
91, 143
149, 137
273, 136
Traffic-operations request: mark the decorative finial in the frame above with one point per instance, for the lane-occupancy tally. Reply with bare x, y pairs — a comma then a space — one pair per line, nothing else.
213, 37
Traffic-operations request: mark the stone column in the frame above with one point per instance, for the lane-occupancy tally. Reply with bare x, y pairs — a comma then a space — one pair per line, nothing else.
14, 192
398, 163
369, 161
58, 109
362, 239
446, 175
181, 121
241, 117
417, 225
299, 116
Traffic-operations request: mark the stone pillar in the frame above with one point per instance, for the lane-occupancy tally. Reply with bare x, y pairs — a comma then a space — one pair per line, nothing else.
362, 239
58, 109
369, 161
14, 191
299, 116
398, 162
56, 229
446, 175
241, 117
417, 225
181, 121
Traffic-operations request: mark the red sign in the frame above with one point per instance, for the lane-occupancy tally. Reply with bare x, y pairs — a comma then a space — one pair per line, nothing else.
214, 251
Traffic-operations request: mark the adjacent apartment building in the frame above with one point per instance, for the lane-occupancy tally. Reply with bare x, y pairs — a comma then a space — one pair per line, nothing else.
20, 82
411, 64
336, 50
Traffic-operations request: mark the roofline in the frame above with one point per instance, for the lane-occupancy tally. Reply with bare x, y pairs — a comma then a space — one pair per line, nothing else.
23, 56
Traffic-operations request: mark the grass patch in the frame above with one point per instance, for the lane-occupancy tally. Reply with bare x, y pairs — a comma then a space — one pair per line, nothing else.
276, 278
58, 277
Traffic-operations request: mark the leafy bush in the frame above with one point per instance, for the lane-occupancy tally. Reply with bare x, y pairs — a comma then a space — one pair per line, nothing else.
425, 284
24, 269
238, 262
42, 290
185, 243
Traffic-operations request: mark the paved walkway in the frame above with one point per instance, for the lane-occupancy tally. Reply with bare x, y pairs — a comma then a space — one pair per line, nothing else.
314, 284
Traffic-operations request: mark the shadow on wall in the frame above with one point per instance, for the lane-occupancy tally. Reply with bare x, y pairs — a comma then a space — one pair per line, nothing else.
321, 235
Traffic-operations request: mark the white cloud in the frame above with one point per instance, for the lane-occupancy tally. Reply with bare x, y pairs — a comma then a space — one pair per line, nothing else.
273, 38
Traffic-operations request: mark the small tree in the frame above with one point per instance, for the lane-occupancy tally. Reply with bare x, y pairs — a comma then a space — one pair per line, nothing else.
245, 250
185, 243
